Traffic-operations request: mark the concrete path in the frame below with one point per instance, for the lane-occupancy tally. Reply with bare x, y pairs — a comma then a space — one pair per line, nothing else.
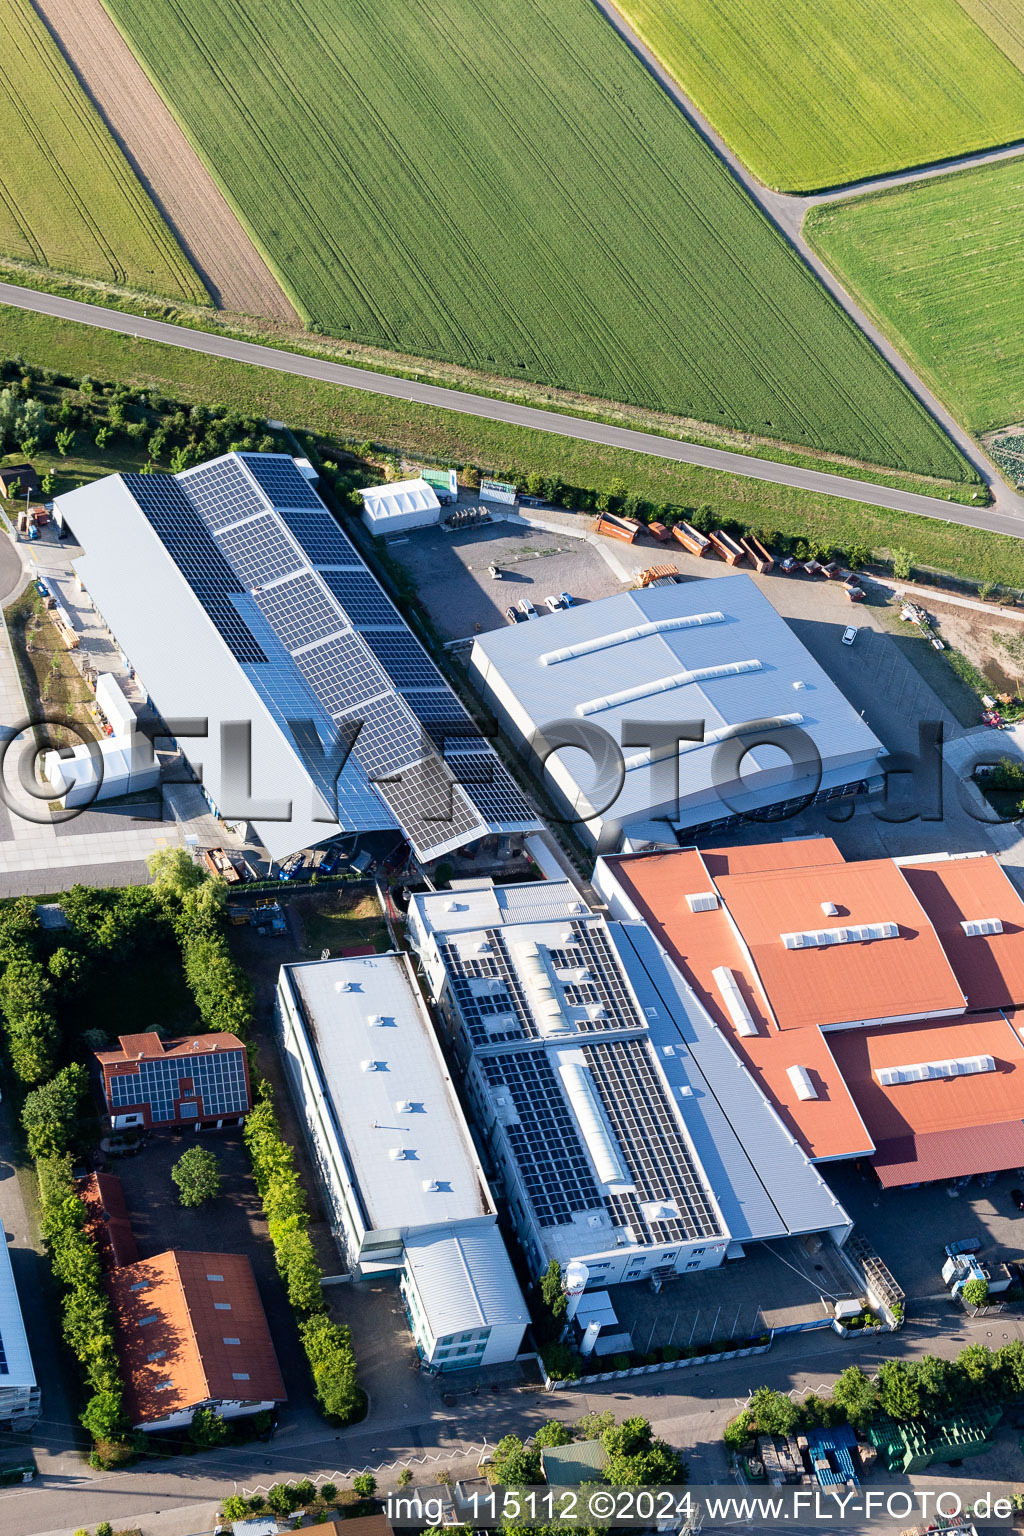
786, 212
1007, 516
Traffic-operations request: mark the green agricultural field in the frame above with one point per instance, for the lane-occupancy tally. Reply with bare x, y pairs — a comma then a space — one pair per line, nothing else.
812, 94
68, 198
940, 266
500, 183
424, 432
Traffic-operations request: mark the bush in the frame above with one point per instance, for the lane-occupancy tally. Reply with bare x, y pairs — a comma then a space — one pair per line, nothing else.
976, 1293
405, 1477
739, 1431
208, 1429
328, 1347
329, 1491
234, 1507
561, 1362
553, 1433
364, 1484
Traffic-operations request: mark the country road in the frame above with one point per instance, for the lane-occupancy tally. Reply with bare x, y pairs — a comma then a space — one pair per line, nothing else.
1007, 516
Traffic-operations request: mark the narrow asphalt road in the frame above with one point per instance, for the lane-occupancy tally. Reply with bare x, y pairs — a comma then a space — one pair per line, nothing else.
786, 212
1005, 517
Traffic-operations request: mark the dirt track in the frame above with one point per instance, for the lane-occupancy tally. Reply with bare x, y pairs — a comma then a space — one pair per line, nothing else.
225, 258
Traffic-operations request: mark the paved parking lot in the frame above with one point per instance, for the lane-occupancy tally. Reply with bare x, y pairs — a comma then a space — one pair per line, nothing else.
909, 1228
451, 572
774, 1286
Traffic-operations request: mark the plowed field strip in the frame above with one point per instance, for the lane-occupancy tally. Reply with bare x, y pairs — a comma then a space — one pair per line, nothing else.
233, 270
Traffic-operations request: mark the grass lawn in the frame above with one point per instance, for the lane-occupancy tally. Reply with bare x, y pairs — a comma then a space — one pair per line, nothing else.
940, 266
505, 186
342, 918
68, 198
812, 94
349, 416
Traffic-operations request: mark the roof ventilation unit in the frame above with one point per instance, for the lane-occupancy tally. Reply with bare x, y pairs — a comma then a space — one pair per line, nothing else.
830, 909
802, 1085
926, 1071
374, 1066
402, 1155
702, 901
343, 986
376, 1020
404, 1106
430, 1186
732, 997
976, 927
821, 938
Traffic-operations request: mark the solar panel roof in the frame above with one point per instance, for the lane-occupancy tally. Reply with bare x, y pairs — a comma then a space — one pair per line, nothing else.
341, 673
322, 539
260, 551
298, 612
222, 492
404, 659
362, 599
277, 476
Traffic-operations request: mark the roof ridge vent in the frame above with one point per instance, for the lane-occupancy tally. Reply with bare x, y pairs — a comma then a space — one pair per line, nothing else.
857, 933
977, 927
802, 1084
733, 999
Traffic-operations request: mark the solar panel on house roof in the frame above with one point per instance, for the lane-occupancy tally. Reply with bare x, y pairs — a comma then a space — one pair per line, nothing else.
430, 806
362, 599
404, 659
388, 739
278, 477
222, 493
259, 551
321, 538
550, 1156
341, 673
299, 612
188, 542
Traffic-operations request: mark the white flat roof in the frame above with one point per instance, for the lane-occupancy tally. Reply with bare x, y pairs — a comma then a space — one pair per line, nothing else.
405, 1104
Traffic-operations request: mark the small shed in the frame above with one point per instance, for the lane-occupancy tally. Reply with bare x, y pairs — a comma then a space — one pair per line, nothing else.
24, 475
112, 698
404, 504
567, 1466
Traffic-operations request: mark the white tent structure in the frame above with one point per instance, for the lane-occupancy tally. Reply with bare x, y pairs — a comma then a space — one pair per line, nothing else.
404, 504
102, 770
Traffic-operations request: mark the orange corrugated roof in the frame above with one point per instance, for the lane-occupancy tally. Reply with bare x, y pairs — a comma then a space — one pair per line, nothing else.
828, 1126
941, 1104
108, 1223
150, 1044
796, 853
172, 1316
840, 983
990, 967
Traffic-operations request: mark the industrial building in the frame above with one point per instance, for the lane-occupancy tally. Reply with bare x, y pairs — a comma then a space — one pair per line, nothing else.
19, 1393
628, 1134
151, 1083
402, 1179
879, 1004
400, 506
191, 1333
710, 651
270, 652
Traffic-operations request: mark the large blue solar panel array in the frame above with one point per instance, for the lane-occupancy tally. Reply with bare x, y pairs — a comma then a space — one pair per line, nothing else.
259, 551
547, 1149
388, 739
222, 493
341, 673
218, 1076
187, 540
362, 599
278, 478
297, 611
322, 539
404, 659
